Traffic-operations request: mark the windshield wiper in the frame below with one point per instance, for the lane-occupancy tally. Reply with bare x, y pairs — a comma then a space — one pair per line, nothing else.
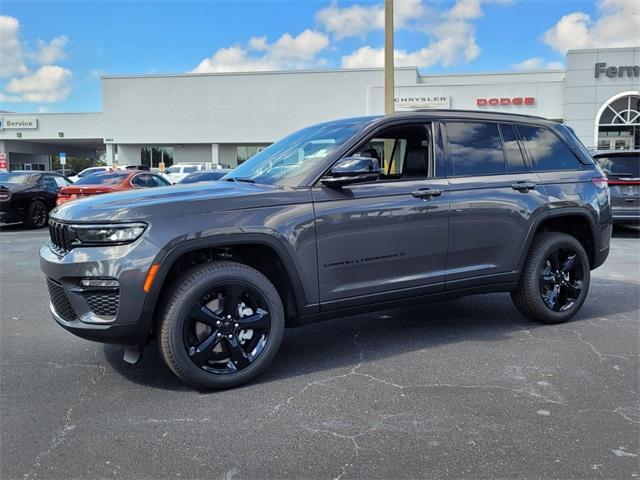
238, 179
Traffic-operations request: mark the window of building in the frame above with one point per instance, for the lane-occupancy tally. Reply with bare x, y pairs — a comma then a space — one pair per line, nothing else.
512, 152
619, 124
245, 152
546, 151
152, 156
475, 149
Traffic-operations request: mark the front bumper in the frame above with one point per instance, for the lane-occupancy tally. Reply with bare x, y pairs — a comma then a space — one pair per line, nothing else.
10, 215
108, 315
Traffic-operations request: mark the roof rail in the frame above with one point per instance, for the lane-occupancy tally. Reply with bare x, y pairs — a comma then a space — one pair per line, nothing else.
449, 110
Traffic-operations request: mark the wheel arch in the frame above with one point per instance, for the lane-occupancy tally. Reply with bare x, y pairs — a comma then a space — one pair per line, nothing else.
263, 252
574, 221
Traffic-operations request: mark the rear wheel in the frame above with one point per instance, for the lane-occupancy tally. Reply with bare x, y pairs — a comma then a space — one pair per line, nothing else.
37, 215
222, 325
555, 279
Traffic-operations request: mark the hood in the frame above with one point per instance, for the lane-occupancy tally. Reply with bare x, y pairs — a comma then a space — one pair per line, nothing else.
178, 200
16, 187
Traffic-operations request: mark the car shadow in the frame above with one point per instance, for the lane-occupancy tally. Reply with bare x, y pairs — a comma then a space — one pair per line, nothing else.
344, 342
626, 231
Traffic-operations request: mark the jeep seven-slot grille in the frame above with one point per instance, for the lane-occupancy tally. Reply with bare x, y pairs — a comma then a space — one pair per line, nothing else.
60, 301
103, 303
60, 236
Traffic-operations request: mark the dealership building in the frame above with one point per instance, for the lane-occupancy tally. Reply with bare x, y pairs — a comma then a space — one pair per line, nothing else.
224, 118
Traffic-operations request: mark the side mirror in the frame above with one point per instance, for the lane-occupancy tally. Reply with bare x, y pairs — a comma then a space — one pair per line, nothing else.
350, 170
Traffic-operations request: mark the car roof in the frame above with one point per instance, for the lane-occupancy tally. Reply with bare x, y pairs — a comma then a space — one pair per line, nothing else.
616, 153
37, 172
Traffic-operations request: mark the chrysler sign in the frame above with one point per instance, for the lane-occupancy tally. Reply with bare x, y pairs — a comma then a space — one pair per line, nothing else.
413, 102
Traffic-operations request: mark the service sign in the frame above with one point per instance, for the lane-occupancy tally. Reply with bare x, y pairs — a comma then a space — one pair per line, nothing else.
19, 123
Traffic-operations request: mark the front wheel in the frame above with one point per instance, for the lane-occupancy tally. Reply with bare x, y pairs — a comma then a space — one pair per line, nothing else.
222, 325
555, 279
37, 215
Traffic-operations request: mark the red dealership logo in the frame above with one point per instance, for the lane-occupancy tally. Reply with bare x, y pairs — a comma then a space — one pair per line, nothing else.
503, 101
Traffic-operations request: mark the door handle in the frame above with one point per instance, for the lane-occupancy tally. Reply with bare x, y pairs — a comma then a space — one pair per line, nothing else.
426, 193
523, 187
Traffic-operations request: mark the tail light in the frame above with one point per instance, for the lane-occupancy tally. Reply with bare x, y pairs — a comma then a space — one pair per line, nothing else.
63, 197
600, 182
624, 182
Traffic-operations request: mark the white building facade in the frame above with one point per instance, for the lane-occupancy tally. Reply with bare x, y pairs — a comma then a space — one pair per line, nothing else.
225, 118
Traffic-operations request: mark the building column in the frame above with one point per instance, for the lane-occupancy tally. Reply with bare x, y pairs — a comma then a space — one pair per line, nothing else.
215, 154
110, 157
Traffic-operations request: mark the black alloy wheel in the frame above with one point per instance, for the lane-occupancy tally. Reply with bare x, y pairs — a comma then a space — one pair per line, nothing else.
227, 328
561, 279
221, 325
37, 215
554, 281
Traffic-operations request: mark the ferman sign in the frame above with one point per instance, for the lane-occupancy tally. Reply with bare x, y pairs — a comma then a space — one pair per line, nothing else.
19, 123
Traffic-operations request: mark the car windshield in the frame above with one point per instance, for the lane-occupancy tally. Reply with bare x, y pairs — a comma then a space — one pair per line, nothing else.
15, 178
294, 155
202, 177
625, 165
103, 178
172, 170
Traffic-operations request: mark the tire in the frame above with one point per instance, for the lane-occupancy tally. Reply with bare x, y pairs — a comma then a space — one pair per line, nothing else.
534, 294
190, 292
37, 215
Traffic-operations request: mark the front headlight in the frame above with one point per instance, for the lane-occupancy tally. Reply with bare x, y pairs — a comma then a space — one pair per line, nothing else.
111, 234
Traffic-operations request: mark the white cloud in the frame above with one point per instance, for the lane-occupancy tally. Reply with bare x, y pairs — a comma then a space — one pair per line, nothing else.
452, 40
49, 83
50, 52
537, 63
357, 20
10, 48
617, 25
288, 52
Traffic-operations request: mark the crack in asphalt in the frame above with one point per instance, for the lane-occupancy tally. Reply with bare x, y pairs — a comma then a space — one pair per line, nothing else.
60, 435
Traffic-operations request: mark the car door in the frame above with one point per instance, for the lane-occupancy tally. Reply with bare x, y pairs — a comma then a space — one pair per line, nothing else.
49, 189
494, 198
384, 239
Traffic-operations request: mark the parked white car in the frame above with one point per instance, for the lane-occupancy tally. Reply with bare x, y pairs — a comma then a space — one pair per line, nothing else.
177, 172
90, 170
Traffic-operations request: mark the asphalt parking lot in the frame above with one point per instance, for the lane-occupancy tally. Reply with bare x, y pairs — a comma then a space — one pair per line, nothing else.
459, 389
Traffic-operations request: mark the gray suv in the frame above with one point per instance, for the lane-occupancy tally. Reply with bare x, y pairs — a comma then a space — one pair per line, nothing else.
339, 218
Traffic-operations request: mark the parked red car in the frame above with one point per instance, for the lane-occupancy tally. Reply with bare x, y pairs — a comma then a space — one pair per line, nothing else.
109, 181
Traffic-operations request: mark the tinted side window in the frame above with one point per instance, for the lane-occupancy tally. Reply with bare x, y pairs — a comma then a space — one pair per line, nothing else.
475, 148
515, 160
49, 182
546, 151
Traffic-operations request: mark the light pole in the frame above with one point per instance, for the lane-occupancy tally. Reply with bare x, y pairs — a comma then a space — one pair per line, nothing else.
388, 58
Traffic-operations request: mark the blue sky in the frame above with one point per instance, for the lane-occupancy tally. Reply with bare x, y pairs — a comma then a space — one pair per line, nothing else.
53, 52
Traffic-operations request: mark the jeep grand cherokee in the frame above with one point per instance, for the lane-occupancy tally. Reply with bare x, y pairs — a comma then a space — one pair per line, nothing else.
338, 218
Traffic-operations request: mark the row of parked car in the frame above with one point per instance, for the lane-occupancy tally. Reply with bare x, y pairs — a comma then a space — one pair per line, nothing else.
29, 196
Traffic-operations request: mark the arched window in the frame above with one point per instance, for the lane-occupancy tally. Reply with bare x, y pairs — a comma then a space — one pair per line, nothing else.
618, 122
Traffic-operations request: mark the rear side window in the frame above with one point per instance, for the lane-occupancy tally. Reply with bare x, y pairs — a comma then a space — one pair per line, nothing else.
546, 151
475, 148
512, 152
190, 169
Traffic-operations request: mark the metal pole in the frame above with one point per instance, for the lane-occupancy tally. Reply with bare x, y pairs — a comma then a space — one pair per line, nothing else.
388, 57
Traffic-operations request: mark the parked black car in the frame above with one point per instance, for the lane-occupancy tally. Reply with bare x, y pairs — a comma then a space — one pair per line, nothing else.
205, 176
338, 218
28, 196
622, 168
